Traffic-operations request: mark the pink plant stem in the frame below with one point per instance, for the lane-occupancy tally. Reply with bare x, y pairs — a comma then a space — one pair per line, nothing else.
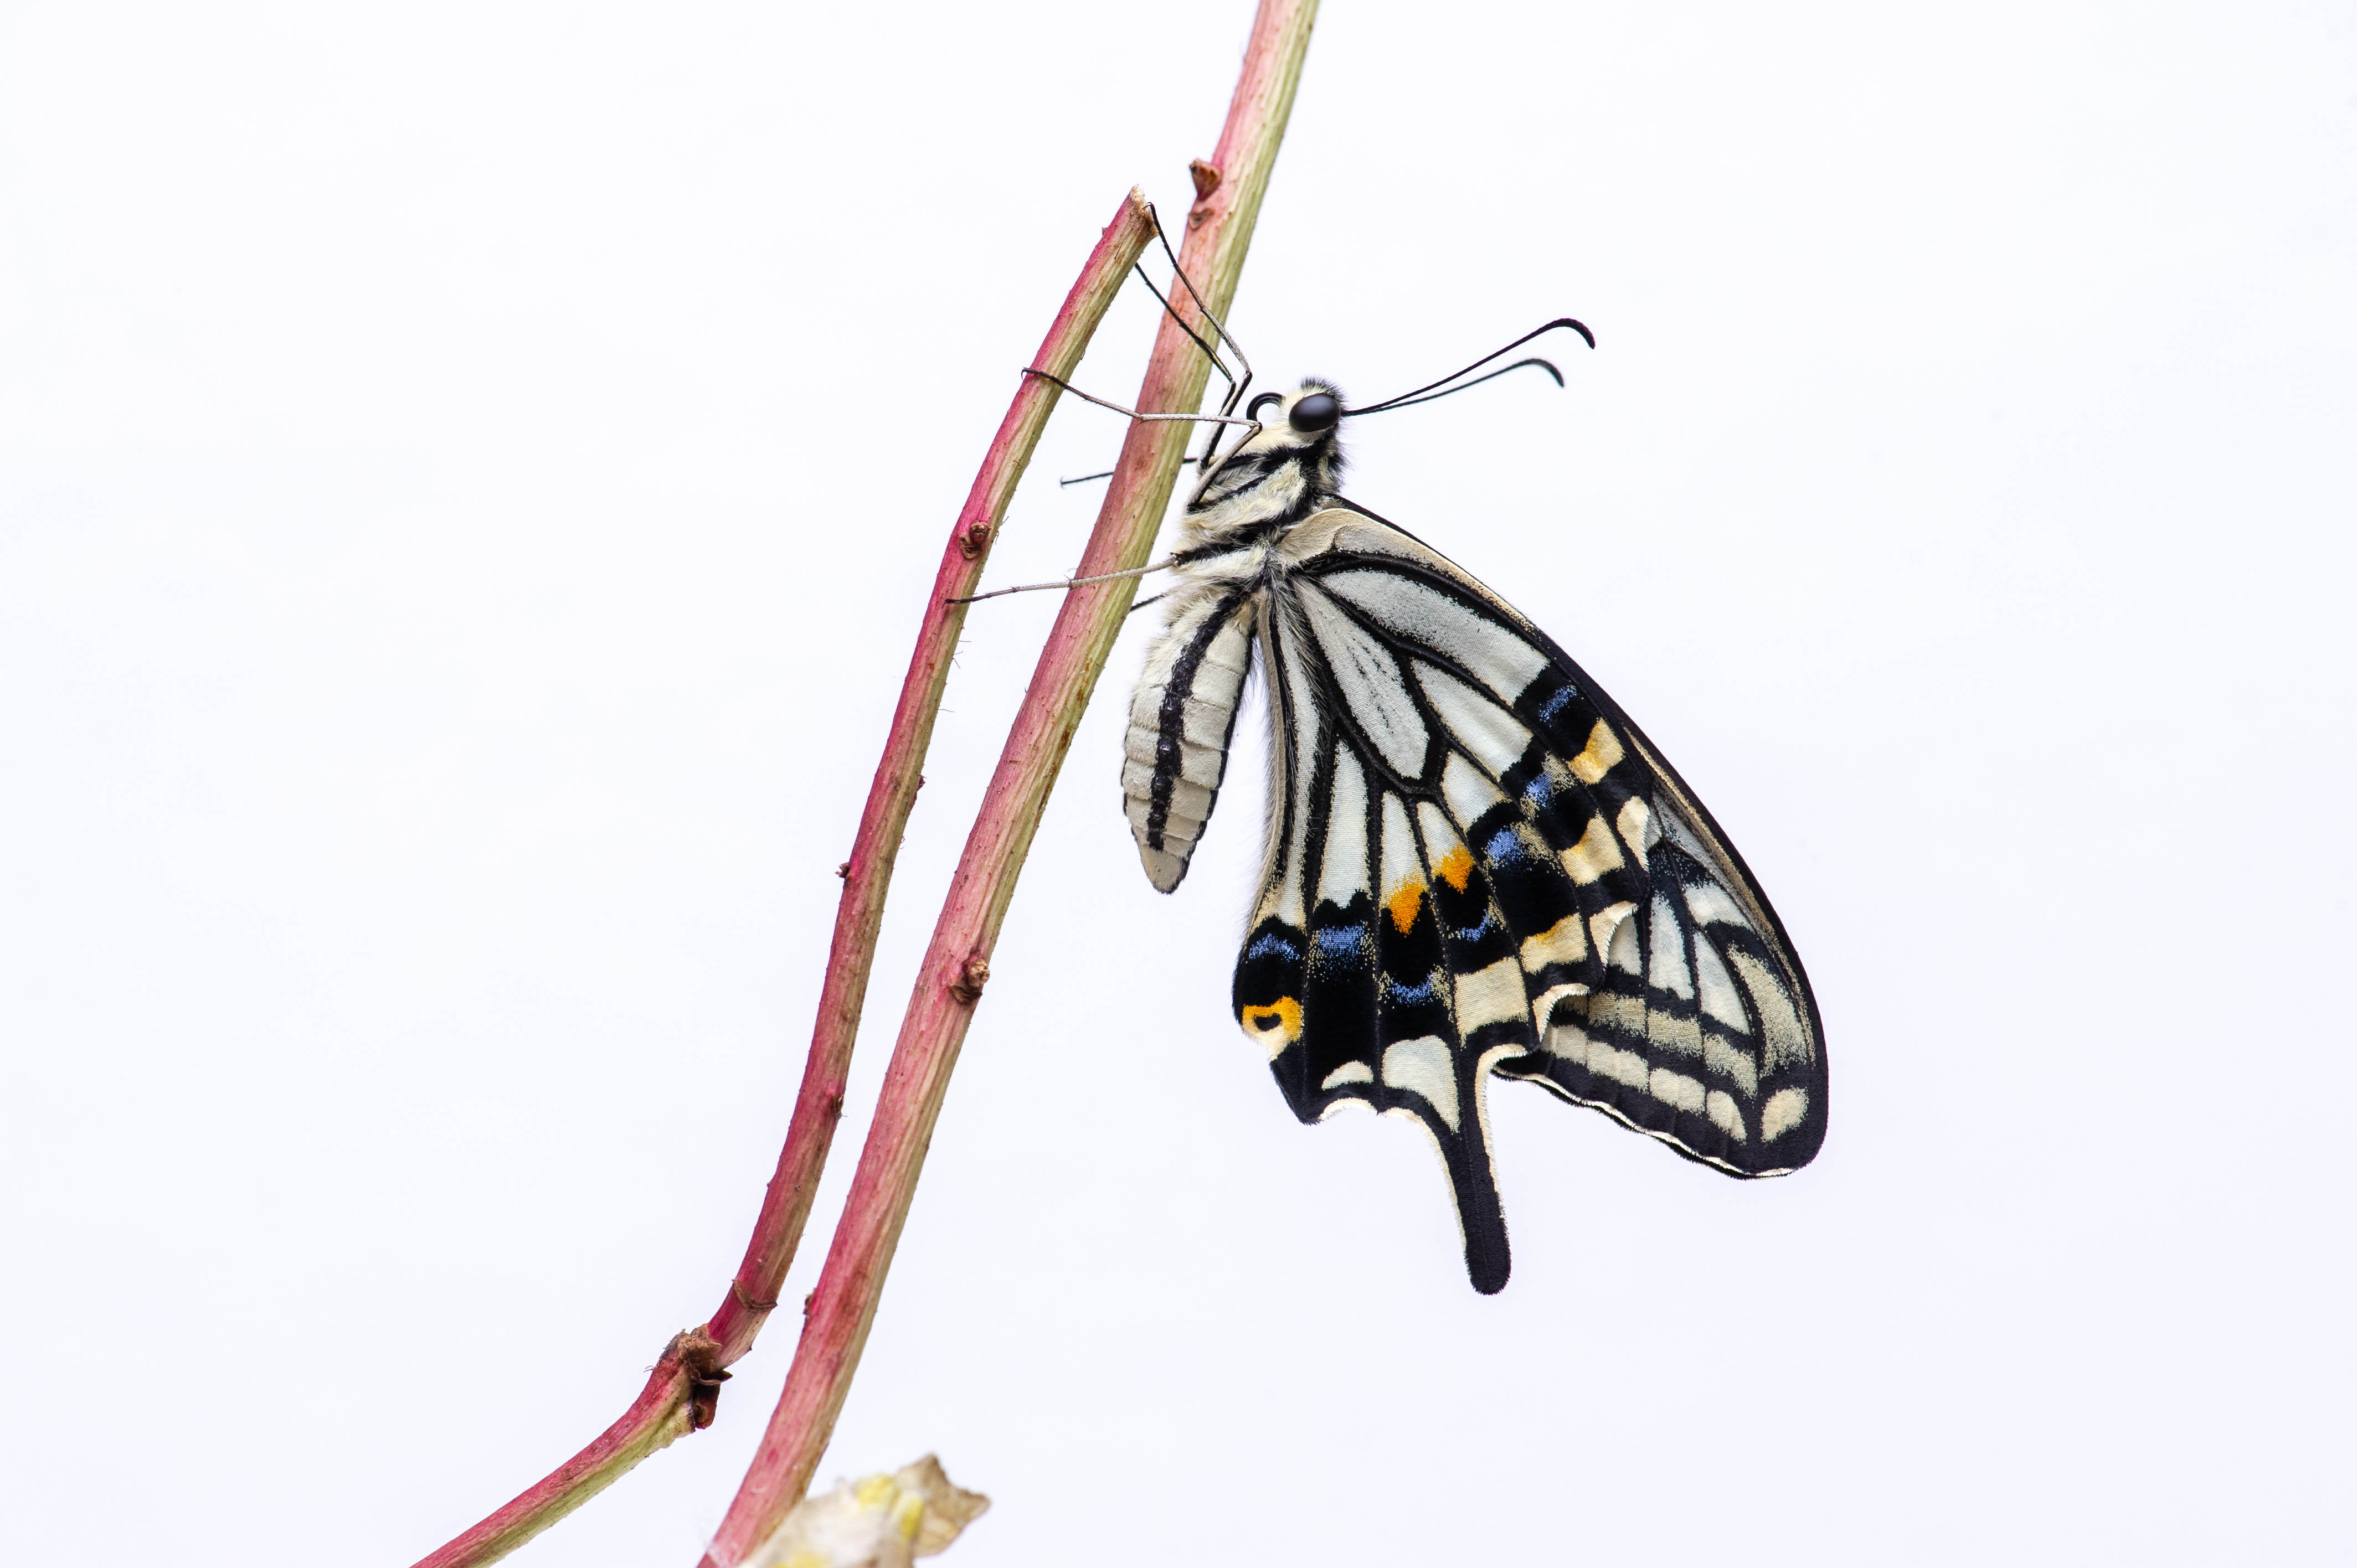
680, 1393
956, 964
786, 1208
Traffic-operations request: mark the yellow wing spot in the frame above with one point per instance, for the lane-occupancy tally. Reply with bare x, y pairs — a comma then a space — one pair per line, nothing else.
1278, 1023
1566, 941
1406, 899
1455, 868
1637, 829
1603, 750
1593, 856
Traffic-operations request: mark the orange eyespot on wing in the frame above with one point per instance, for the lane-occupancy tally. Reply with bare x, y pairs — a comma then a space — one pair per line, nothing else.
1276, 1026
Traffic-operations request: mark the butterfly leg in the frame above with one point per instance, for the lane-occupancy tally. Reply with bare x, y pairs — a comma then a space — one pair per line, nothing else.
1254, 425
1067, 582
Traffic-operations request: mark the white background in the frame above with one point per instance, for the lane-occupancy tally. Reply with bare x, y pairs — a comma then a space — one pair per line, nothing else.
470, 476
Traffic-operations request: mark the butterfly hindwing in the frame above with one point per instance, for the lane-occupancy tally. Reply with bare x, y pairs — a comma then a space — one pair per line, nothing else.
1477, 862
1351, 976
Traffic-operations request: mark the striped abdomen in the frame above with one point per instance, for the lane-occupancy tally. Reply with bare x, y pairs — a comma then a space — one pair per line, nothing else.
1179, 722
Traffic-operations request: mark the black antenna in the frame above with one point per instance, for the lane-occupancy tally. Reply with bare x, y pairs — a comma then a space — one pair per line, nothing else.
1546, 365
1417, 396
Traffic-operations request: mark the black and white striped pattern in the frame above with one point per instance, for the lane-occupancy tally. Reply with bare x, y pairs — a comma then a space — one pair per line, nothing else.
1180, 723
1475, 863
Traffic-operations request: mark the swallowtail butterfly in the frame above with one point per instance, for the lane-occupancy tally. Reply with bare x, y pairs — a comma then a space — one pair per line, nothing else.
1475, 863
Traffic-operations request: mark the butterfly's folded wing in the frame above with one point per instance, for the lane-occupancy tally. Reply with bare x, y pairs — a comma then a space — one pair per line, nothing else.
1478, 863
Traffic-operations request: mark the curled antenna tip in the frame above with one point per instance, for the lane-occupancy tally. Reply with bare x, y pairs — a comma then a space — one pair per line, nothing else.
1431, 390
1412, 399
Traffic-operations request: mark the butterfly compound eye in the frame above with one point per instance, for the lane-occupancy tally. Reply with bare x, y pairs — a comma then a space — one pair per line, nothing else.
1315, 413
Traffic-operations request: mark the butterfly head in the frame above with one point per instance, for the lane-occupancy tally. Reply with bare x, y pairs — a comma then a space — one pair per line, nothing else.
1279, 473
1302, 420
